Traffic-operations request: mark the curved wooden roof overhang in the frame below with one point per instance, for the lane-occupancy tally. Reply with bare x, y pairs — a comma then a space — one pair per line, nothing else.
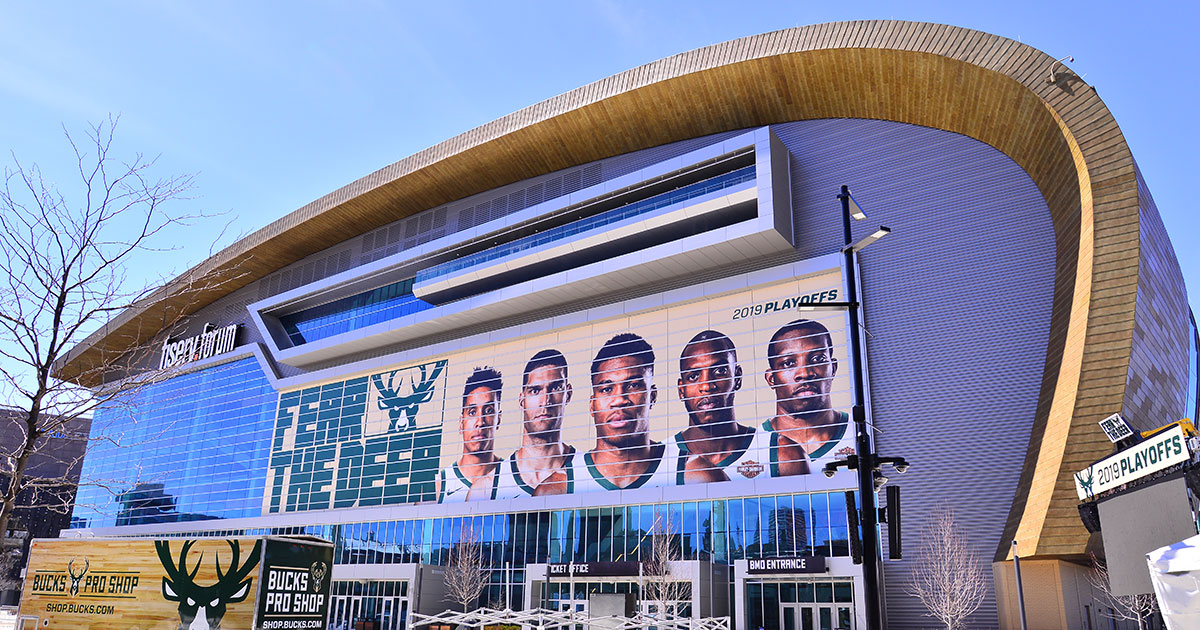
983, 86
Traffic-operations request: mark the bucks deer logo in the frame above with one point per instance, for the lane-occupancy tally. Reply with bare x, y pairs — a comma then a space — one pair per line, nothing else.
317, 572
203, 607
75, 577
404, 406
1085, 482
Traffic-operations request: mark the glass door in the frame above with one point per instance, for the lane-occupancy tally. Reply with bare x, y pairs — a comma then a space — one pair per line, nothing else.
816, 617
369, 605
339, 618
790, 616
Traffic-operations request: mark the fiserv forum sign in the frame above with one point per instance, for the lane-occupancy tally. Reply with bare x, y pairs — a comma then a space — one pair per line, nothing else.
1156, 453
210, 343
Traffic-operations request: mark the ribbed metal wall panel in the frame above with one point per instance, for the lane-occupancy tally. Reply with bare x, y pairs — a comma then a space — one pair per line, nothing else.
957, 305
1156, 388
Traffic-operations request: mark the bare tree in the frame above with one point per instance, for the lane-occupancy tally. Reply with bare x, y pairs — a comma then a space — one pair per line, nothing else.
466, 574
660, 585
1139, 608
68, 245
947, 576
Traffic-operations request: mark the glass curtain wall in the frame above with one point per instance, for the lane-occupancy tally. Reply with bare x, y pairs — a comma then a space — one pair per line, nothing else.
719, 531
193, 447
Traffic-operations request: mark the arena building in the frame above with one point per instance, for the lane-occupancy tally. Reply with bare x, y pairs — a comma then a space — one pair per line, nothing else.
599, 318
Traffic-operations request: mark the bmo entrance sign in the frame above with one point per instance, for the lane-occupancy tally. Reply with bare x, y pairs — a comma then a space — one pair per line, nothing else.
782, 566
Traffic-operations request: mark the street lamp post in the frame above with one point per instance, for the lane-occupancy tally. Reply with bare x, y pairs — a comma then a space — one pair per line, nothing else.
866, 462
866, 455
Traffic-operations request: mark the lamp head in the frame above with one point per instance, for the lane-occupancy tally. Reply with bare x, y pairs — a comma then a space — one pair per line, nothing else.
856, 211
868, 239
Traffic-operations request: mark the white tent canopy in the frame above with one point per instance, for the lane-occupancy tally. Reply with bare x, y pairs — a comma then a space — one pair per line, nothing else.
1175, 572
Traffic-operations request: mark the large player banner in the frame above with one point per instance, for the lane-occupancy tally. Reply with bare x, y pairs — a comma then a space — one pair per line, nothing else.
739, 386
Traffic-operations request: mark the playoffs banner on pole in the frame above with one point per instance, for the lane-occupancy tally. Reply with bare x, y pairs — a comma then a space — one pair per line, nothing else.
728, 388
1152, 455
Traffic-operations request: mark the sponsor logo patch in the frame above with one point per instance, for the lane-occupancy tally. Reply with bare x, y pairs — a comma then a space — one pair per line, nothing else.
750, 469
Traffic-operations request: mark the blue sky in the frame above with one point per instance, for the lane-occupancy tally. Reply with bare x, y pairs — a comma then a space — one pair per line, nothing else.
274, 104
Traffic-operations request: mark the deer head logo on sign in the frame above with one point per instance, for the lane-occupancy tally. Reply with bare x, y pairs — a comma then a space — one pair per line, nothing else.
317, 571
75, 577
402, 392
203, 607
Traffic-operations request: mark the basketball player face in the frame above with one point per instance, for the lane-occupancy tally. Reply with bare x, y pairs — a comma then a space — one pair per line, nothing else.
707, 382
802, 373
545, 394
622, 394
480, 415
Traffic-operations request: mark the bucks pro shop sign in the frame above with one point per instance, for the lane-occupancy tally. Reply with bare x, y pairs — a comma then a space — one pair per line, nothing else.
294, 585
1154, 454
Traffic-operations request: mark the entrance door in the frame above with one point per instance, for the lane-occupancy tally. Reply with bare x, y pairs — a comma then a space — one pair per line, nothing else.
790, 616
369, 605
816, 617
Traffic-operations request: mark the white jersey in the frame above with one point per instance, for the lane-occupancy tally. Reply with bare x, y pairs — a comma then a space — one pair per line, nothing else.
662, 472
843, 443
751, 461
512, 486
838, 447
456, 485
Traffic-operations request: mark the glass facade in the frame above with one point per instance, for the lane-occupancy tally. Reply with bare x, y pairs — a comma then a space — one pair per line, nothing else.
723, 530
190, 448
357, 311
720, 531
609, 217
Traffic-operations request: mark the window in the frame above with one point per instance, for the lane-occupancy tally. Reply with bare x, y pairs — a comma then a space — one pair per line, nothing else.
351, 313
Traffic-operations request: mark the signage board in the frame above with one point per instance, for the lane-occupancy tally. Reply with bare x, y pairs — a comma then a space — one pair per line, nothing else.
592, 569
1116, 428
1149, 456
776, 566
166, 584
295, 585
210, 343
